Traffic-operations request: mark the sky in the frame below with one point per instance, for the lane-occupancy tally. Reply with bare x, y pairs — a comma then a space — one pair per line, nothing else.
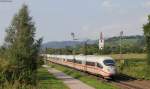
56, 19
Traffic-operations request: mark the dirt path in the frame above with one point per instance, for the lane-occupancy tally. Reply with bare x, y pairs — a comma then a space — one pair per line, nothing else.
68, 80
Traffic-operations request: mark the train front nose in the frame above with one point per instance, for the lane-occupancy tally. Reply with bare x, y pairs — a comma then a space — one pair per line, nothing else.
112, 71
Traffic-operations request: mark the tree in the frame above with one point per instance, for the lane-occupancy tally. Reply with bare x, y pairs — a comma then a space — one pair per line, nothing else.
22, 47
146, 28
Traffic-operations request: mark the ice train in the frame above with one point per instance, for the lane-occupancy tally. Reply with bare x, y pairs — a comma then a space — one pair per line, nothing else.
99, 65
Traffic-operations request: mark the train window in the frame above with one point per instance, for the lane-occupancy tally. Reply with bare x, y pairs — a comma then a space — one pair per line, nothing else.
90, 63
78, 61
69, 60
109, 62
99, 65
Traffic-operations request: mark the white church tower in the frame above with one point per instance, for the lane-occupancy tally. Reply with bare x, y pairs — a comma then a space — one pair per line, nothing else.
101, 41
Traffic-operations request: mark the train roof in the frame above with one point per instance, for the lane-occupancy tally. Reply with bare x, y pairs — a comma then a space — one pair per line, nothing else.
91, 58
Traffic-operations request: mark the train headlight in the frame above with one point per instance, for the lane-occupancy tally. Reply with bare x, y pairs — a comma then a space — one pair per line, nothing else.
108, 69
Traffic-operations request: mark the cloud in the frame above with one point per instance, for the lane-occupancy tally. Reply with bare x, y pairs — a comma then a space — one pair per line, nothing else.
143, 19
85, 28
107, 3
110, 30
146, 4
113, 6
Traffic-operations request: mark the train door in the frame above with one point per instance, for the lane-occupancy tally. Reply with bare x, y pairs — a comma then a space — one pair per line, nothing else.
84, 66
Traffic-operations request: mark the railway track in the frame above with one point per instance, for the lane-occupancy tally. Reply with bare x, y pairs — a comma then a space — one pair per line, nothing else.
126, 85
120, 81
117, 82
123, 81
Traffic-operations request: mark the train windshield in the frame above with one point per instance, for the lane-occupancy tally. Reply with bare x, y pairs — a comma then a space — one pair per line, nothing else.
109, 62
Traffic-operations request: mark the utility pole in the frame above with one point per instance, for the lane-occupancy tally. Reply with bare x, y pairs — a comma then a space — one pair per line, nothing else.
121, 34
85, 53
85, 48
46, 58
121, 56
74, 39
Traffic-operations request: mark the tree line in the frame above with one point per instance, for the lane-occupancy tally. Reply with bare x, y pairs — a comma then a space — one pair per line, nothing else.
130, 44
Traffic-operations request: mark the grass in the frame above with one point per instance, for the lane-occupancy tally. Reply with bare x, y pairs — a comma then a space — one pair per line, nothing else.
90, 80
45, 81
134, 68
17, 85
48, 81
128, 56
133, 65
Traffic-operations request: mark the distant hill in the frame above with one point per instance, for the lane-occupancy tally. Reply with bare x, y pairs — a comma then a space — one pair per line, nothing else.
60, 44
63, 44
126, 40
113, 41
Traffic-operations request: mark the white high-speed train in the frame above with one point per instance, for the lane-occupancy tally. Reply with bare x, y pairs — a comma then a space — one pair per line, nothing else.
104, 66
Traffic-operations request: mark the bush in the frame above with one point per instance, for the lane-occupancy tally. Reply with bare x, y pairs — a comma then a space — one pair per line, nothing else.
40, 61
3, 67
17, 85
